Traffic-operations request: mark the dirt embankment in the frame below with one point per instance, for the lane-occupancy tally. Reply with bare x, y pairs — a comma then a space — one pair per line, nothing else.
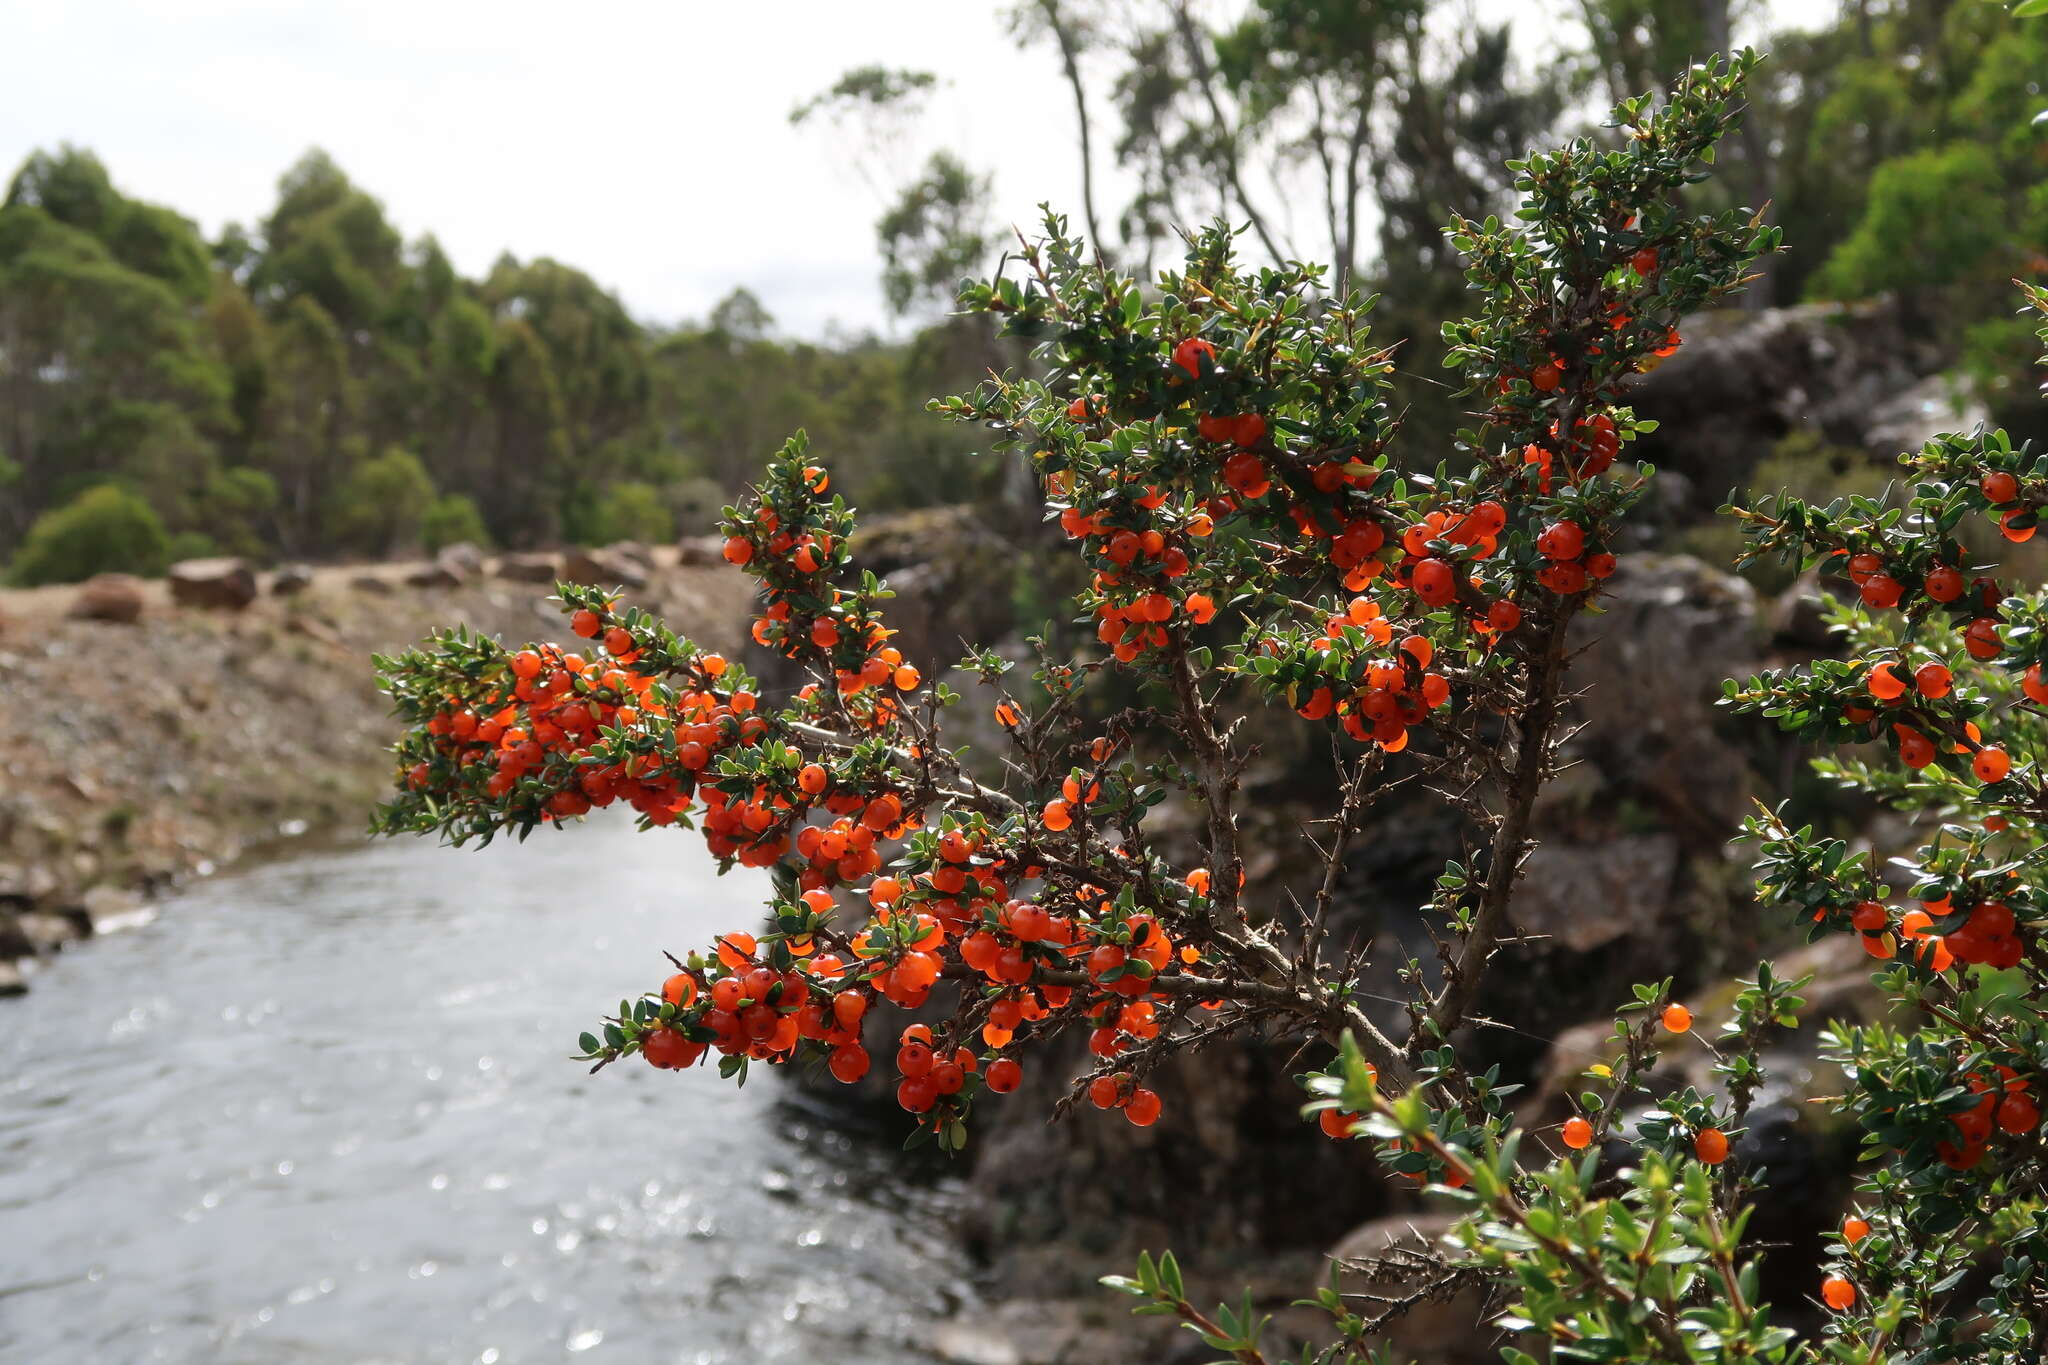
134, 753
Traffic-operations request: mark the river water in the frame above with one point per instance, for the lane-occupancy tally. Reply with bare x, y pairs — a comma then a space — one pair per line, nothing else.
319, 1111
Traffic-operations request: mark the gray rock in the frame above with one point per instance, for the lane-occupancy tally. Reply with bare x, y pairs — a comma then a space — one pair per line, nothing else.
696, 552
290, 579
607, 568
12, 982
462, 557
1742, 381
1916, 414
49, 930
223, 583
1671, 628
1795, 620
1585, 898
433, 574
373, 583
1388, 1254
14, 939
109, 597
529, 568
104, 904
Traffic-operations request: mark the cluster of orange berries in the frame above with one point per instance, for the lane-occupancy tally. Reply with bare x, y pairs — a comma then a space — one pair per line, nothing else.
555, 707
1567, 568
1989, 936
1139, 599
792, 565
1435, 580
1933, 681
958, 906
1881, 590
2003, 1106
1392, 694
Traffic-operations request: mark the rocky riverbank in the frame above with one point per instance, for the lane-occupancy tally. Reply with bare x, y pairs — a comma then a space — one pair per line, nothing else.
152, 731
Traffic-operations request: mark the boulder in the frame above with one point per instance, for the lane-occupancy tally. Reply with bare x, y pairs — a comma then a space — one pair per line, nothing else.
529, 568
1912, 416
1388, 1257
109, 597
290, 579
1670, 629
106, 904
1629, 882
612, 567
49, 930
1795, 620
223, 583
698, 552
462, 557
1742, 381
374, 583
14, 939
434, 574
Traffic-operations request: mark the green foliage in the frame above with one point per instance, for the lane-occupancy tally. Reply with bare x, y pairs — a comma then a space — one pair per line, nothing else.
106, 529
452, 519
631, 510
1911, 237
380, 506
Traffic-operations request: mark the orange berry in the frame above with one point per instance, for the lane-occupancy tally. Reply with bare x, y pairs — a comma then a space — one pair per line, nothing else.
1991, 764
1711, 1146
1677, 1018
1337, 1123
584, 622
1143, 1108
1854, 1229
1577, 1134
1004, 1075
1838, 1293
2017, 1114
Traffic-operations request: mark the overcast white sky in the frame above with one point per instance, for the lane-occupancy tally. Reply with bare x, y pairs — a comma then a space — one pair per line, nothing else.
645, 142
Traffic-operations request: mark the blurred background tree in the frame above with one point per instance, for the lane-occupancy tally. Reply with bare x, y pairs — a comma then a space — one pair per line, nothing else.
250, 391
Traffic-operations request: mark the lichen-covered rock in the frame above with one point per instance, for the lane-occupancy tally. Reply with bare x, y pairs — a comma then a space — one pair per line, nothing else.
223, 583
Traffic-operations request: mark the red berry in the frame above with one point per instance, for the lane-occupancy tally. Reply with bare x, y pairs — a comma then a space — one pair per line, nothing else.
1435, 582
1191, 353
1561, 540
1004, 1075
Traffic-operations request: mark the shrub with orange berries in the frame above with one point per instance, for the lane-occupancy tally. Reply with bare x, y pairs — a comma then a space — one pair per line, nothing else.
1216, 449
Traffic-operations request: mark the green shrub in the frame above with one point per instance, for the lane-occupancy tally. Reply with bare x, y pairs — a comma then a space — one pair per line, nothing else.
451, 519
383, 503
105, 529
634, 511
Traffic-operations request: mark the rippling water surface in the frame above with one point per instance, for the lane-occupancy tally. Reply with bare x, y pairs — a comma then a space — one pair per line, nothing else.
320, 1112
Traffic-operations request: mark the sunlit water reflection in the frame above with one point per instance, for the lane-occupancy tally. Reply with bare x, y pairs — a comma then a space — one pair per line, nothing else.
320, 1112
